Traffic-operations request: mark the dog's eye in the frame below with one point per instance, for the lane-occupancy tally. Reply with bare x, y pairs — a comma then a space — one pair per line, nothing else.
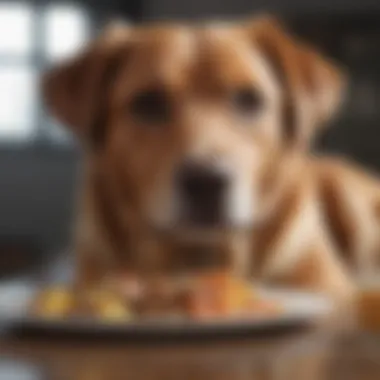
151, 106
247, 100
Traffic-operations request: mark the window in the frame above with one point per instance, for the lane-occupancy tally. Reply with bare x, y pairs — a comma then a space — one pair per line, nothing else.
32, 37
65, 31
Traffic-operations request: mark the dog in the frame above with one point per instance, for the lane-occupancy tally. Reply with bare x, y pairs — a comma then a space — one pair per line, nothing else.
197, 140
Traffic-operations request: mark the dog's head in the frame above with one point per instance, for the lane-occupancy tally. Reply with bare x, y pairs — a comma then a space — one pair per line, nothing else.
189, 117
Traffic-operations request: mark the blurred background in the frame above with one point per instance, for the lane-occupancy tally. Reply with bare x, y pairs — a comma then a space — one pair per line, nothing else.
39, 160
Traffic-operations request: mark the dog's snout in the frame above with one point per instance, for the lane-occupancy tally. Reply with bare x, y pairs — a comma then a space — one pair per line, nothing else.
201, 182
202, 189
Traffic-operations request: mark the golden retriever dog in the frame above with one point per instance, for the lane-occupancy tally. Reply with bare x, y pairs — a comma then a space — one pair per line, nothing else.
196, 144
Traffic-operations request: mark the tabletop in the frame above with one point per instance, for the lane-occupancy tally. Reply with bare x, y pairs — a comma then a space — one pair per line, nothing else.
335, 349
304, 355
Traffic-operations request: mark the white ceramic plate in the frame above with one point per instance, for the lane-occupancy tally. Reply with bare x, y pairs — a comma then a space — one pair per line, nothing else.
300, 310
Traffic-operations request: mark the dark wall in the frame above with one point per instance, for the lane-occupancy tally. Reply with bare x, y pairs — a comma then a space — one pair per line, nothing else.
37, 192
210, 8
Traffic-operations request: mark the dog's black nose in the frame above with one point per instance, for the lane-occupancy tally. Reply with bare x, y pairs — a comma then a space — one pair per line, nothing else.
202, 190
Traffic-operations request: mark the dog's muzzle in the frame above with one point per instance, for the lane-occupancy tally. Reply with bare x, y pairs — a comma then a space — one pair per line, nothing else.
202, 190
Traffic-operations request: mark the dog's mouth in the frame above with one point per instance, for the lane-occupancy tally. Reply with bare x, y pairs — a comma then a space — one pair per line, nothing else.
193, 234
202, 235
199, 257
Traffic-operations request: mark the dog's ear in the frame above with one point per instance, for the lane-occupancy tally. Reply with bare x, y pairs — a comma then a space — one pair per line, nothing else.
77, 90
313, 87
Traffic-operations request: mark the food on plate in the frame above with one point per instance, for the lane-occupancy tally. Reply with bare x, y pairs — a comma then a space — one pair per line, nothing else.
210, 295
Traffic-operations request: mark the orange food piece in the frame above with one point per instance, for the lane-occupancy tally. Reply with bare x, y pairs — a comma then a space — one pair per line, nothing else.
219, 294
262, 307
200, 307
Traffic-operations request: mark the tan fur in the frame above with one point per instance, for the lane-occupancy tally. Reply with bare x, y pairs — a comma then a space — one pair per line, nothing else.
314, 220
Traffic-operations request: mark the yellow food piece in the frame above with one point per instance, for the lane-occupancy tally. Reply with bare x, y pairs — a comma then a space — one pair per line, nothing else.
114, 312
54, 302
107, 306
